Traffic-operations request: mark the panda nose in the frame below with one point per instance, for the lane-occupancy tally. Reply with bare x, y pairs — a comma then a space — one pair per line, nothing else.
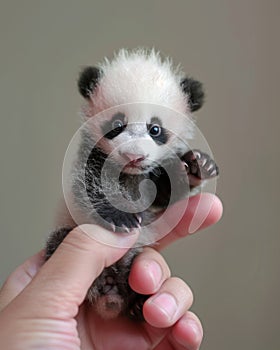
132, 157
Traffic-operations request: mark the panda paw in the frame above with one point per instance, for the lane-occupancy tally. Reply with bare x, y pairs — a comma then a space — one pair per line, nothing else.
135, 310
124, 222
199, 166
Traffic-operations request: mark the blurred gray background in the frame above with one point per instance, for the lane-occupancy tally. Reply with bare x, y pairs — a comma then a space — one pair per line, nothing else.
233, 47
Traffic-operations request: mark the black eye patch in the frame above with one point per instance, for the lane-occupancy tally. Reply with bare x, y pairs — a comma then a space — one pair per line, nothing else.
157, 132
114, 127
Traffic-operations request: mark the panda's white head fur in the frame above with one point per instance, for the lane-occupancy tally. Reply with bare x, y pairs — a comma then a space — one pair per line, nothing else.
130, 101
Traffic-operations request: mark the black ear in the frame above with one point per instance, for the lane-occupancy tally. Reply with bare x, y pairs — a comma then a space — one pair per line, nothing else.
194, 90
88, 81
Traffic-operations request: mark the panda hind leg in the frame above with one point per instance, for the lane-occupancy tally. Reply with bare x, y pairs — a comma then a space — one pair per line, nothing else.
56, 239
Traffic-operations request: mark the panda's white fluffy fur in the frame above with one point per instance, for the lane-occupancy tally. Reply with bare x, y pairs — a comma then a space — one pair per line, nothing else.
139, 76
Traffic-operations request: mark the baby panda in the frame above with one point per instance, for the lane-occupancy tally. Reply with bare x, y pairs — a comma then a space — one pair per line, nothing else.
132, 134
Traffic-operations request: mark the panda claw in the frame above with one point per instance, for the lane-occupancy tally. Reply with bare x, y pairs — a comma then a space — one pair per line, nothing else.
210, 166
112, 225
203, 163
126, 229
215, 172
139, 219
197, 154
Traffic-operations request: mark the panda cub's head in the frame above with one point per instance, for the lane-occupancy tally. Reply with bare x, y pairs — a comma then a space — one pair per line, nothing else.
140, 108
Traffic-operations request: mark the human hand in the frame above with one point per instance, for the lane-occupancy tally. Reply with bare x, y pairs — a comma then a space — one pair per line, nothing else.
42, 305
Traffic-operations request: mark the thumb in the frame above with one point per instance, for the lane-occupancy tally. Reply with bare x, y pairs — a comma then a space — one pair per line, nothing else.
60, 286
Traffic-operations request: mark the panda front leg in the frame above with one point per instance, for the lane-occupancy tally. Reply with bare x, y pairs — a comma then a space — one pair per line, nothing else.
199, 166
116, 220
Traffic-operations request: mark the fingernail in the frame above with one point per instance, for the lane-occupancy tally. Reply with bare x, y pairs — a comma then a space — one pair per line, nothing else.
193, 337
155, 273
196, 331
166, 303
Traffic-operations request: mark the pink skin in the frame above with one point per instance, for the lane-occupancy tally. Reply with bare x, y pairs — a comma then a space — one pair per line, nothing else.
41, 305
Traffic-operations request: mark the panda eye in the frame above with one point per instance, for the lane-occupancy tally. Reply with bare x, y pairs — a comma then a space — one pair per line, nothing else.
117, 124
155, 130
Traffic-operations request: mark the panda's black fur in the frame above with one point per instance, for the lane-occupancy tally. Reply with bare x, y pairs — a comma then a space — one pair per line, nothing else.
111, 294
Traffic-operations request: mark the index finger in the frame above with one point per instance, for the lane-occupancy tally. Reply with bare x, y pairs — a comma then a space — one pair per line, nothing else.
205, 209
